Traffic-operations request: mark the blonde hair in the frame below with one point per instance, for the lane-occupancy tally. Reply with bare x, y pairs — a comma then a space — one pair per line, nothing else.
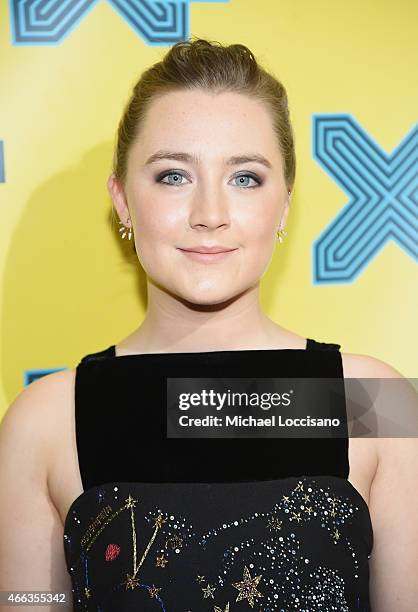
206, 65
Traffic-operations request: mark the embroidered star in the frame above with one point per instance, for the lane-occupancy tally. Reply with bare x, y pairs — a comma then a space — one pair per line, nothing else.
130, 502
153, 591
336, 534
159, 520
200, 579
247, 587
299, 486
161, 561
306, 497
308, 510
131, 582
218, 609
87, 592
333, 513
285, 498
296, 516
274, 523
208, 591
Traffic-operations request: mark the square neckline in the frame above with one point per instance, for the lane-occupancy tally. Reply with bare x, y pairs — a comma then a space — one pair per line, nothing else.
111, 351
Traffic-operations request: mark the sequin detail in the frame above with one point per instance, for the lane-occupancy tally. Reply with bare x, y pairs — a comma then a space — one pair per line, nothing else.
298, 543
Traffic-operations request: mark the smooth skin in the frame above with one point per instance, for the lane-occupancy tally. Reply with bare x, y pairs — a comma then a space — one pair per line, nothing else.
195, 307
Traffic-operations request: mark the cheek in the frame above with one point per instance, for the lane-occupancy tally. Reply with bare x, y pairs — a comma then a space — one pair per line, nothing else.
157, 233
258, 235
259, 242
156, 241
258, 218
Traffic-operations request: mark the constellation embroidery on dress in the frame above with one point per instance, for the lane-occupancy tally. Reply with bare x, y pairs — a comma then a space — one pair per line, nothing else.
271, 571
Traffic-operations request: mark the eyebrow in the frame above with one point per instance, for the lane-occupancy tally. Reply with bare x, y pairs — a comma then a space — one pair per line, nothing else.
188, 157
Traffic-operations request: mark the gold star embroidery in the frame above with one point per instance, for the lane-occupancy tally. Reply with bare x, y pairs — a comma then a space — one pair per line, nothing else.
336, 534
306, 497
161, 561
333, 513
200, 579
308, 510
87, 592
153, 591
299, 486
159, 520
285, 498
247, 587
218, 609
208, 591
130, 502
296, 516
131, 582
274, 523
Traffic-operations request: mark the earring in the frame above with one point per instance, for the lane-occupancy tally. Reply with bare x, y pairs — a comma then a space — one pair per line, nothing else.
279, 235
281, 232
125, 230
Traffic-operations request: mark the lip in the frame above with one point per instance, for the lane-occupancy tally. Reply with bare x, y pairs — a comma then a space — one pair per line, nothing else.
207, 257
217, 248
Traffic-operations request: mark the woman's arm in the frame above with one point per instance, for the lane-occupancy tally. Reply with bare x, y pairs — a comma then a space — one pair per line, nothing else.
31, 532
394, 513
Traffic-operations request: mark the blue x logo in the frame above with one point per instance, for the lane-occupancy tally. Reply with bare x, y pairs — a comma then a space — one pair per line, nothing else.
46, 22
383, 191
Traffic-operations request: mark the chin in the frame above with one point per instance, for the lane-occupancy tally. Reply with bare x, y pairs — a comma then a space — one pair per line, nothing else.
209, 297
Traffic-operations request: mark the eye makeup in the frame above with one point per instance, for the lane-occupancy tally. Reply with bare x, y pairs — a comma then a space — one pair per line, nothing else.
159, 178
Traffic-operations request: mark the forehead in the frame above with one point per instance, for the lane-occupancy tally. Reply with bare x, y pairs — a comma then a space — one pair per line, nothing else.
209, 124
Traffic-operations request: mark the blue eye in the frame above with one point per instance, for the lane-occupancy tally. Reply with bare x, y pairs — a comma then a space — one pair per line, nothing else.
176, 181
247, 176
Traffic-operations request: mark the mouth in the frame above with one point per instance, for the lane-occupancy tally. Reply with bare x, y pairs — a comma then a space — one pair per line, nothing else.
207, 257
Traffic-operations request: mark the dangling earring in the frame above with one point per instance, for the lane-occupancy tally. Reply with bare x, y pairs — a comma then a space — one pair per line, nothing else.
125, 230
280, 237
281, 232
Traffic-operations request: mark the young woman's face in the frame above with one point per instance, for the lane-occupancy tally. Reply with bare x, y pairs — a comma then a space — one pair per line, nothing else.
202, 196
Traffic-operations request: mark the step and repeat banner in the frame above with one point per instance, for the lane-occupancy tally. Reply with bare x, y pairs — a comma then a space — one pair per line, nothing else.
347, 269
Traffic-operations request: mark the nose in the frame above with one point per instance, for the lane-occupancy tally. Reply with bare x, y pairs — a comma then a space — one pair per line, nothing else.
209, 209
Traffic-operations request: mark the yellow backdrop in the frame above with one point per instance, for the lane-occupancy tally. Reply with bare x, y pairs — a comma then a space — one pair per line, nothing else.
68, 286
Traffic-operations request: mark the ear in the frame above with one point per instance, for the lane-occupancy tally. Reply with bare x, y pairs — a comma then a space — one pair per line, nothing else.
118, 198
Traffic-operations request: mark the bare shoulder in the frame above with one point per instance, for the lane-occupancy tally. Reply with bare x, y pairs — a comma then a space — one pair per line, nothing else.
41, 396
365, 366
35, 414
380, 397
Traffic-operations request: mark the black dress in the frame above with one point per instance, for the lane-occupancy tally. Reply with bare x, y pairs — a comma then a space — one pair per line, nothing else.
219, 525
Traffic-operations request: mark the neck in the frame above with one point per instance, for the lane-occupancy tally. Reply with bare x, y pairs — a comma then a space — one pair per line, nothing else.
173, 324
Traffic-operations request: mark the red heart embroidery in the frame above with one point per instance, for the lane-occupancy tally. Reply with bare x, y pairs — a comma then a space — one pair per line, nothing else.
112, 551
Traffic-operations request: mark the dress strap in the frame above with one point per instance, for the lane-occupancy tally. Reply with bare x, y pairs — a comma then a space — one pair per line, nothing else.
321, 346
108, 352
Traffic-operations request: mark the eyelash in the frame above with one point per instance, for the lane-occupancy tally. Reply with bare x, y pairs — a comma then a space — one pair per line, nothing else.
253, 176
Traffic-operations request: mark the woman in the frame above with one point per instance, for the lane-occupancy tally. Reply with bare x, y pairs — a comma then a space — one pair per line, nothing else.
104, 503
